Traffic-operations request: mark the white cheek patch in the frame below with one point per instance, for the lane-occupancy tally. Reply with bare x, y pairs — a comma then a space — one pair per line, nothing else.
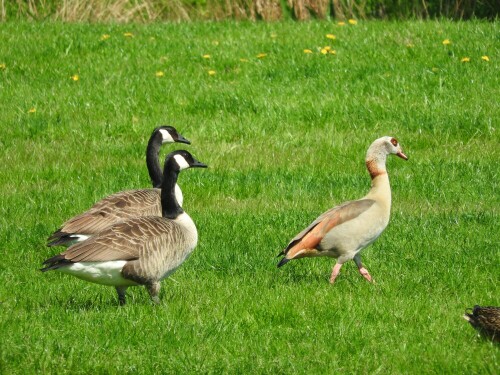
166, 137
181, 162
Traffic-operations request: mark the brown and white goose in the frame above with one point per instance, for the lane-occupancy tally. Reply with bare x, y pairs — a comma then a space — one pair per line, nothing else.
138, 251
343, 231
125, 204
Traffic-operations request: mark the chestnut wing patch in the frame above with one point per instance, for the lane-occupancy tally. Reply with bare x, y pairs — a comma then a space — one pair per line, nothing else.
311, 236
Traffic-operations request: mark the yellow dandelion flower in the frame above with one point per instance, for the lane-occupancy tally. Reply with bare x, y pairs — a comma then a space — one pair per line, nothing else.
261, 55
159, 73
328, 48
324, 51
484, 58
3, 66
465, 59
207, 56
446, 42
341, 23
244, 60
331, 36
211, 72
332, 52
32, 110
128, 35
75, 77
105, 36
353, 21
308, 51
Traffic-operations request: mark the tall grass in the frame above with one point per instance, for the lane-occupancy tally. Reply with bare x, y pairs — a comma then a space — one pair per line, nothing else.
270, 10
284, 133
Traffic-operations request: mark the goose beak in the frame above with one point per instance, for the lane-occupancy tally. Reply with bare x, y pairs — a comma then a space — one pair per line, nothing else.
181, 139
402, 156
198, 164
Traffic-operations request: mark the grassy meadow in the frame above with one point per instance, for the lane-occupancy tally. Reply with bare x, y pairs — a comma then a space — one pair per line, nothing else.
283, 114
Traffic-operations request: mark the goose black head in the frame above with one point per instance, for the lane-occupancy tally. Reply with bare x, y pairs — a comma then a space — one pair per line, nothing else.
168, 134
182, 159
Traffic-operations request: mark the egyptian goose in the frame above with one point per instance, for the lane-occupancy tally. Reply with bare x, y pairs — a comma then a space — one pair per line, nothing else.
343, 231
138, 251
486, 320
125, 204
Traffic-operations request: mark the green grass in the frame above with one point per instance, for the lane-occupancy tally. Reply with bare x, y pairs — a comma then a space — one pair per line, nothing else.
285, 138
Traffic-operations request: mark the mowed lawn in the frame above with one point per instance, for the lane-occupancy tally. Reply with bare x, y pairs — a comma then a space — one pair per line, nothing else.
283, 114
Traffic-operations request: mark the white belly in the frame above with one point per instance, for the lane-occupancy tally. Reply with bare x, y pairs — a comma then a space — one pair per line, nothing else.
105, 273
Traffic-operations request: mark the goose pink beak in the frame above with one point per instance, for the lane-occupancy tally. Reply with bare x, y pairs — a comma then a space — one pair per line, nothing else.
402, 156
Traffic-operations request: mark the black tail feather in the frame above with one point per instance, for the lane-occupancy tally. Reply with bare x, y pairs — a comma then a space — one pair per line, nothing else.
283, 261
64, 239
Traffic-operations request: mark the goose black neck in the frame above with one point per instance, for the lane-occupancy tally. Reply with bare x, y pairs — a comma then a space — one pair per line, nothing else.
154, 168
169, 205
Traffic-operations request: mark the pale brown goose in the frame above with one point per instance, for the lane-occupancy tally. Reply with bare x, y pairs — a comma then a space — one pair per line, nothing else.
343, 231
125, 204
139, 251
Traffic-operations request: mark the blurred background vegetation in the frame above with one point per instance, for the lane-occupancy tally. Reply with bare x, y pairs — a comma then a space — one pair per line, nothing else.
268, 10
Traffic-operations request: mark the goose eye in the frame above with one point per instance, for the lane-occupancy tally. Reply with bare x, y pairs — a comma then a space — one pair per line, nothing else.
394, 141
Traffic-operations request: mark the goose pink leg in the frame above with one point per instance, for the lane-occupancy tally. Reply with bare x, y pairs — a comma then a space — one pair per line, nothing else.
335, 272
362, 270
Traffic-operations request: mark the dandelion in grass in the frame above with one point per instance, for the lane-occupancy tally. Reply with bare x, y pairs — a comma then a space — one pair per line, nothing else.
32, 110
446, 42
484, 58
332, 52
341, 23
211, 72
105, 36
465, 59
323, 51
3, 66
207, 56
328, 48
308, 51
159, 74
75, 77
331, 36
353, 22
128, 35
261, 55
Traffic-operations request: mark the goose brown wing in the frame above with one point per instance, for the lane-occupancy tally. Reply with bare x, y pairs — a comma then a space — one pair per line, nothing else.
112, 209
127, 240
311, 236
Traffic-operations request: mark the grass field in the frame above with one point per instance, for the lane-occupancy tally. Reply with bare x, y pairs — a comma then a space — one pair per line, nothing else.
284, 133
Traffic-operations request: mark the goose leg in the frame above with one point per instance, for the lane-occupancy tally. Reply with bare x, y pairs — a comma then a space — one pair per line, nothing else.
121, 290
335, 272
362, 270
154, 291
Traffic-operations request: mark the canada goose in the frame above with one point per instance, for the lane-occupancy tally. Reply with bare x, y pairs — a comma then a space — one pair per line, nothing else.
343, 231
486, 320
138, 251
125, 204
